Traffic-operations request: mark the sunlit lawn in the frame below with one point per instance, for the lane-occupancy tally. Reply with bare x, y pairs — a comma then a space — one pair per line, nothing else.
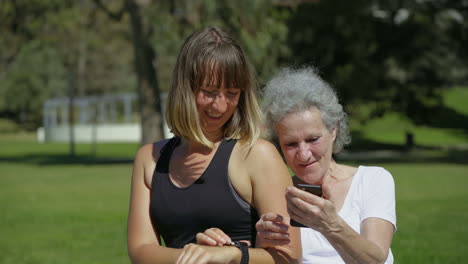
63, 213
74, 212
452, 129
60, 209
432, 212
56, 209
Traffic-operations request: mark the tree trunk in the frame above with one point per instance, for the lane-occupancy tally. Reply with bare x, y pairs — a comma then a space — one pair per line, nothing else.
71, 112
148, 87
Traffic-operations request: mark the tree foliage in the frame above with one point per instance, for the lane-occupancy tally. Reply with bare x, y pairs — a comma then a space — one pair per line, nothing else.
389, 55
47, 42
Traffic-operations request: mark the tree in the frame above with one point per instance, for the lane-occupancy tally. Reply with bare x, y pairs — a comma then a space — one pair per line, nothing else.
160, 28
88, 42
388, 55
47, 41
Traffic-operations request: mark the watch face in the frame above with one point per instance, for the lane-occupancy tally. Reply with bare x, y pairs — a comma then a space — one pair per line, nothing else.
239, 244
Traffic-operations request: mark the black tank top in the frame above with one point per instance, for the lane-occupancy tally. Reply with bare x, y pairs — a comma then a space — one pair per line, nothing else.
180, 213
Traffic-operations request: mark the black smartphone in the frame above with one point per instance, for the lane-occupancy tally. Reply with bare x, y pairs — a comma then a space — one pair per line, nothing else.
310, 188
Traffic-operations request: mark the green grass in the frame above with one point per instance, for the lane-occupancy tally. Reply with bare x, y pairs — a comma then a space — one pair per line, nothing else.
432, 212
449, 126
391, 129
63, 213
456, 98
57, 210
60, 209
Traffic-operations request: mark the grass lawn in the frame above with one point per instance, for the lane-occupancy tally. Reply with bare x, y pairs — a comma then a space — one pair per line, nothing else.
56, 209
63, 213
449, 126
63, 210
60, 209
432, 212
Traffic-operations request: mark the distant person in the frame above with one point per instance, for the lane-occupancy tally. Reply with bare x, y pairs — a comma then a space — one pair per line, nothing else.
215, 174
354, 221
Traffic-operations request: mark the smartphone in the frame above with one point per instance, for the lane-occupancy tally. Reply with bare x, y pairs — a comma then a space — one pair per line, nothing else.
310, 188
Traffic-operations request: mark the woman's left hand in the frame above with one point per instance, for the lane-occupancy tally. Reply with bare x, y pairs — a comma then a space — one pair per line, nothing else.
213, 237
311, 210
199, 254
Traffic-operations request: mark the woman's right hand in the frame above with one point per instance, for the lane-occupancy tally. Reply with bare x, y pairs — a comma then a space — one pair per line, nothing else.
213, 237
272, 230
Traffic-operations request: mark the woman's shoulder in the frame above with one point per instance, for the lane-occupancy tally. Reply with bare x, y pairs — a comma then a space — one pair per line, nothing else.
374, 175
260, 149
373, 170
150, 151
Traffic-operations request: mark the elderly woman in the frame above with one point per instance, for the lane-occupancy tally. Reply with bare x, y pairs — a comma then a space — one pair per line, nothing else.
354, 220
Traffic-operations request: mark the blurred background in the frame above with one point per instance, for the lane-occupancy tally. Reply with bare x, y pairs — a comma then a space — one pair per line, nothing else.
83, 85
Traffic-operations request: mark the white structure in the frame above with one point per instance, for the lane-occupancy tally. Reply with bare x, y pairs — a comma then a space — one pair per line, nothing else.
109, 118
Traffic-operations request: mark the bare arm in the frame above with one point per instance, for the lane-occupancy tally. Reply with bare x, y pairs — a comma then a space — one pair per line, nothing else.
142, 239
270, 177
371, 246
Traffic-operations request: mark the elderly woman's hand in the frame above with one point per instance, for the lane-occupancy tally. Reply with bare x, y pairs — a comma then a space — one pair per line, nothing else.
311, 210
272, 230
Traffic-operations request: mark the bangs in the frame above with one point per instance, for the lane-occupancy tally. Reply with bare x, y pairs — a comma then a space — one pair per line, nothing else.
221, 66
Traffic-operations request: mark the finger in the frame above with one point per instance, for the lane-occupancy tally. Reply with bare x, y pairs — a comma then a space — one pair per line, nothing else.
180, 257
272, 217
218, 235
203, 239
183, 256
272, 226
296, 213
303, 195
275, 242
273, 235
189, 253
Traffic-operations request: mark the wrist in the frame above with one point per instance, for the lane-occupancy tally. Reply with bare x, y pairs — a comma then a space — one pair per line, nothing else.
242, 252
334, 227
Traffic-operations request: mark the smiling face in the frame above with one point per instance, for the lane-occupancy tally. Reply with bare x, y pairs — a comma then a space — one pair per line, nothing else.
307, 144
215, 107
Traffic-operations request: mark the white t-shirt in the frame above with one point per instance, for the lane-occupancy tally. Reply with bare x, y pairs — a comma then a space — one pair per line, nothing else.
371, 194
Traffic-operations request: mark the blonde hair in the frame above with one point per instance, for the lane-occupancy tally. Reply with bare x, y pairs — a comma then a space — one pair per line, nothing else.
210, 56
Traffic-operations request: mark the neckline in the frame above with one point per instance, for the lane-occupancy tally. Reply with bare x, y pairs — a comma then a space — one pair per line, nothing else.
202, 174
348, 195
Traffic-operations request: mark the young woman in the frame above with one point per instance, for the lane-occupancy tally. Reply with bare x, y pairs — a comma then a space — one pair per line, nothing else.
216, 173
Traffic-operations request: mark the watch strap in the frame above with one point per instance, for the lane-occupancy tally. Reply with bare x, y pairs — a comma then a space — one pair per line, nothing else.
244, 248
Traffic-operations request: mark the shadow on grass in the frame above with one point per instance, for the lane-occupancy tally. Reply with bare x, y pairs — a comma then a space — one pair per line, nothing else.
442, 117
59, 159
363, 150
413, 156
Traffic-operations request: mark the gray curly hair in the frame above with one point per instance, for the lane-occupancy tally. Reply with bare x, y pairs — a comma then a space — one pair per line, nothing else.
297, 90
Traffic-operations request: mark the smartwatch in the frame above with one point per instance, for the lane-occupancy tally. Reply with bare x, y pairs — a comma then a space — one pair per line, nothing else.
244, 248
